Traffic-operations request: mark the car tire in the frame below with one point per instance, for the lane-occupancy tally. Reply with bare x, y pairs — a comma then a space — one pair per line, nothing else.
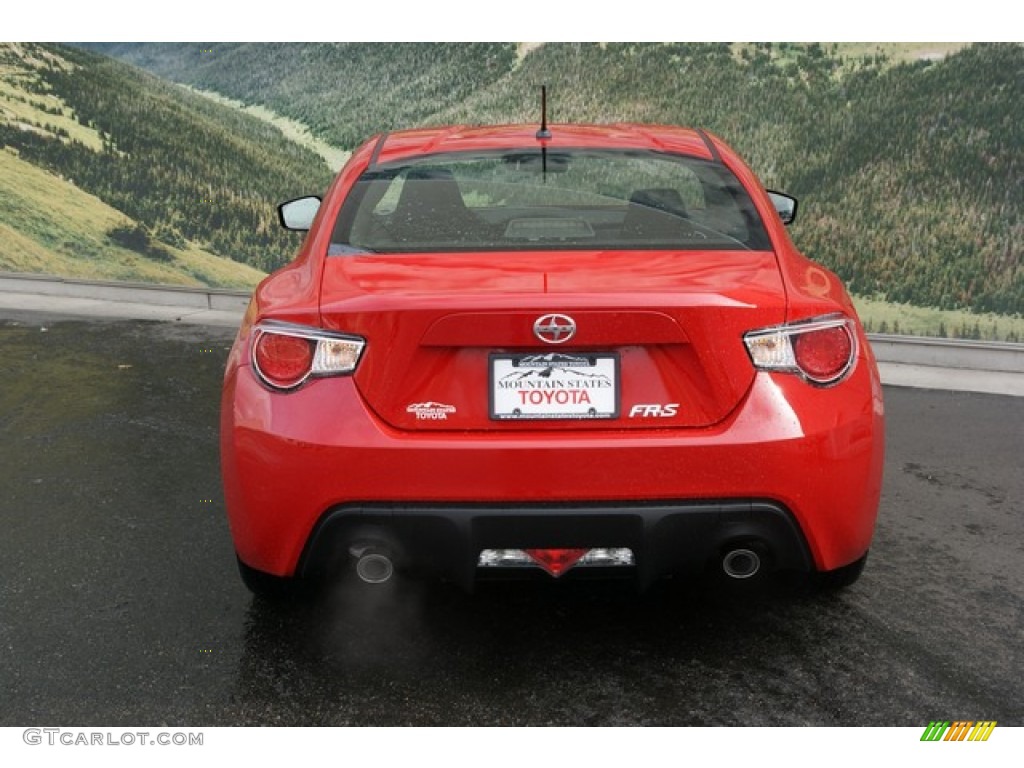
840, 578
273, 588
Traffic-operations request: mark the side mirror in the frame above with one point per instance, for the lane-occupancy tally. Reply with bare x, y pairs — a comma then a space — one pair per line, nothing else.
298, 214
785, 206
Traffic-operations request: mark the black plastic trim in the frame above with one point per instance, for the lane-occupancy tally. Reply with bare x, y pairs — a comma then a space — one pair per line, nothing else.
709, 144
667, 537
376, 151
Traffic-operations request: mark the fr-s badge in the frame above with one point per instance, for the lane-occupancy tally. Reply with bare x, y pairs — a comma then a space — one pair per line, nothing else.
654, 411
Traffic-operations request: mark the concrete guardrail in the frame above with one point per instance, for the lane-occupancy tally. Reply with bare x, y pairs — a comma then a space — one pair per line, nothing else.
909, 350
142, 293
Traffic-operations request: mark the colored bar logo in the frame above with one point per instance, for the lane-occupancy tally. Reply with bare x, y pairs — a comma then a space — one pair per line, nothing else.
960, 730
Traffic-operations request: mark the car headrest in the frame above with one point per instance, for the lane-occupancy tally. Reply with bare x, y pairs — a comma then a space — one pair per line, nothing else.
654, 214
661, 198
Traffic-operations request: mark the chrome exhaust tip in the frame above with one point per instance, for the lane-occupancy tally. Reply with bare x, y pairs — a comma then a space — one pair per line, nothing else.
374, 568
741, 563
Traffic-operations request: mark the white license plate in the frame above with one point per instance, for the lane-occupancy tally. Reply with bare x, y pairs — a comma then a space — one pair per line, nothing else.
555, 386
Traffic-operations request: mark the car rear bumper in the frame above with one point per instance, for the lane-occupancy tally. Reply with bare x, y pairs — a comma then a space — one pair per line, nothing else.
794, 466
664, 538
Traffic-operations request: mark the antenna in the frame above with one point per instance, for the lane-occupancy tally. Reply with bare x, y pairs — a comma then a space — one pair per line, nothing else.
543, 133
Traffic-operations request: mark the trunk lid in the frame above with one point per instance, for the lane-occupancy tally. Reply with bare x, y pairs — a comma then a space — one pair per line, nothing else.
451, 341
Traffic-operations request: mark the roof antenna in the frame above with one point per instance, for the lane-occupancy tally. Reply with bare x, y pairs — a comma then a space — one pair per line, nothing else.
543, 133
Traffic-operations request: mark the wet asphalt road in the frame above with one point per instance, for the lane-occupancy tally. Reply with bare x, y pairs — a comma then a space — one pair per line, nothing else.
120, 603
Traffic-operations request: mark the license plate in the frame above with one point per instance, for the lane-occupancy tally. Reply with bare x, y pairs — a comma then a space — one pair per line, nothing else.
555, 386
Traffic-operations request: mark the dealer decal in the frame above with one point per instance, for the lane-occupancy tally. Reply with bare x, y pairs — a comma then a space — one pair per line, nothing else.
430, 411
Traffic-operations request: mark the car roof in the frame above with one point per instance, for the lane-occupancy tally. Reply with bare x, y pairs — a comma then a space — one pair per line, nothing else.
401, 145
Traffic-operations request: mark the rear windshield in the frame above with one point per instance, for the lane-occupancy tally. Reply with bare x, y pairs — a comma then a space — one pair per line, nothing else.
534, 199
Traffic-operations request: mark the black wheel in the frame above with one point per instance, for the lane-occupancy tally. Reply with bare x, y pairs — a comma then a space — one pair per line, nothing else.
270, 587
840, 578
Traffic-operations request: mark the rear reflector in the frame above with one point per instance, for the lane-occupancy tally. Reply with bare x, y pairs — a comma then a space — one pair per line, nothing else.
556, 561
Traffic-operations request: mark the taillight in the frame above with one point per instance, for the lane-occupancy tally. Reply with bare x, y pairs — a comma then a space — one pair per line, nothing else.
284, 361
822, 350
285, 355
825, 354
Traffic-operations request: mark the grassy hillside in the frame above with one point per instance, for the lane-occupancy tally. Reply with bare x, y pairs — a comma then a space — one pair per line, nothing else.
899, 53
49, 225
889, 317
191, 179
292, 129
907, 157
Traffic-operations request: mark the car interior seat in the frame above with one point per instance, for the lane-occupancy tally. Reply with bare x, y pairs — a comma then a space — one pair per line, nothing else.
430, 209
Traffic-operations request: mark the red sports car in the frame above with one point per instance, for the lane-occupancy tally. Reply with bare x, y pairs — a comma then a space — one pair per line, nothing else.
584, 350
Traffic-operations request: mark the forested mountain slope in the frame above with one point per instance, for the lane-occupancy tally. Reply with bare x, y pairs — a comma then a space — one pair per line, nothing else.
910, 174
344, 92
185, 174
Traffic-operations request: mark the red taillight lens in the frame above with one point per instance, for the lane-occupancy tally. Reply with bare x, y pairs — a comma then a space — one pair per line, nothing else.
284, 361
284, 355
822, 350
823, 355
